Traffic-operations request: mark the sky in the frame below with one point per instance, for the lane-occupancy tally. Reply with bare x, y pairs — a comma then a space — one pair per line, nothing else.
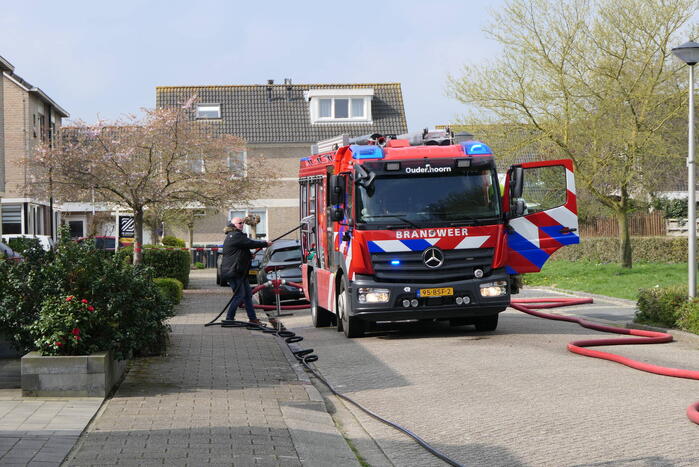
104, 59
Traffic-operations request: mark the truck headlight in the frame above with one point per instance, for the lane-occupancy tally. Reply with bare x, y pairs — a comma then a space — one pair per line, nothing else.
494, 289
371, 295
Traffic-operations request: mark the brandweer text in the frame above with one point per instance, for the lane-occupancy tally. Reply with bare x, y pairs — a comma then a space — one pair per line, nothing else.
431, 233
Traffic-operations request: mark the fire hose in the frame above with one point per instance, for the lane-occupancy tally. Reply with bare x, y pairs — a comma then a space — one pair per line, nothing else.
580, 347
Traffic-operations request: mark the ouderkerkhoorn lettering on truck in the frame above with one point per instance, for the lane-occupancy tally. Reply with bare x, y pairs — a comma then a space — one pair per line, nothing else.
399, 231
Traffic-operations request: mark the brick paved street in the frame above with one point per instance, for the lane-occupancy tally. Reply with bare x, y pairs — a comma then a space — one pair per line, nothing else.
516, 396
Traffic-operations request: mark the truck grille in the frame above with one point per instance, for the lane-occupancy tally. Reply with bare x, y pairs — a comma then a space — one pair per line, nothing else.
458, 265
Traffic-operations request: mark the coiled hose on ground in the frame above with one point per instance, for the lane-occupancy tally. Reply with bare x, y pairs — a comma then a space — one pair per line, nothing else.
530, 306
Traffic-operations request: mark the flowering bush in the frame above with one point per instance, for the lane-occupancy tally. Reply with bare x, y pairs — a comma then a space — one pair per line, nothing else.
67, 326
129, 311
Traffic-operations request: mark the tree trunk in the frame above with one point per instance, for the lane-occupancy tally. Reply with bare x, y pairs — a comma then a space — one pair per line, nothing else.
138, 236
625, 239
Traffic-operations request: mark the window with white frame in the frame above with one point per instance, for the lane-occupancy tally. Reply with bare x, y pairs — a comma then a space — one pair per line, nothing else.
11, 218
340, 105
208, 111
196, 164
77, 225
260, 228
238, 163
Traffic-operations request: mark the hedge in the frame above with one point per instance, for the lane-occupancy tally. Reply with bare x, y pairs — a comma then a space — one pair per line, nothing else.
645, 250
170, 288
668, 307
660, 306
167, 263
169, 240
21, 244
689, 316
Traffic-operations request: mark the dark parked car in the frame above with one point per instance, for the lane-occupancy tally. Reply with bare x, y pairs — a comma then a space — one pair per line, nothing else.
104, 242
282, 260
8, 253
252, 273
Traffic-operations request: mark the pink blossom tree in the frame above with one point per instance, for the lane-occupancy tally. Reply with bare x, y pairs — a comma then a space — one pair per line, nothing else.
165, 159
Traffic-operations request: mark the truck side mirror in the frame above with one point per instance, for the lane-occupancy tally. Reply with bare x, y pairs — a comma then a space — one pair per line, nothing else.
518, 208
337, 214
516, 182
336, 189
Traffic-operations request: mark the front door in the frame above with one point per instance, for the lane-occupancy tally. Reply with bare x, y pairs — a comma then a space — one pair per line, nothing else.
549, 217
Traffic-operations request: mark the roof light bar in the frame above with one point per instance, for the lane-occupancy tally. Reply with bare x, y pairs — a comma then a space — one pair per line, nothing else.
366, 152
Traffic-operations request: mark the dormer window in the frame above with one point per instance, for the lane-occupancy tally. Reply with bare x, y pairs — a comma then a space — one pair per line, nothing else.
208, 111
340, 105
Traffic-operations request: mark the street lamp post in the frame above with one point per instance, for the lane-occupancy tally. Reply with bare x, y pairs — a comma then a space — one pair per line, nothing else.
689, 53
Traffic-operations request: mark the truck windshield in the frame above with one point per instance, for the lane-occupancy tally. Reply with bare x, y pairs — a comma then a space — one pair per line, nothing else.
460, 197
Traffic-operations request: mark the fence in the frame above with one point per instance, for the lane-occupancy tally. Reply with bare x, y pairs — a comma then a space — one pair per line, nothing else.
207, 255
640, 225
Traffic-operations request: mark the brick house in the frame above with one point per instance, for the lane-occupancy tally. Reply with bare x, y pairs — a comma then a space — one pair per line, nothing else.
27, 117
280, 122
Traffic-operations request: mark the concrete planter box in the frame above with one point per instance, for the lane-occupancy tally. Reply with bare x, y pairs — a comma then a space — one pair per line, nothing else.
75, 376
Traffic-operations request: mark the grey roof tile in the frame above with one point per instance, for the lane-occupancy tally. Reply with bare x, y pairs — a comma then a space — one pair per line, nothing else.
247, 111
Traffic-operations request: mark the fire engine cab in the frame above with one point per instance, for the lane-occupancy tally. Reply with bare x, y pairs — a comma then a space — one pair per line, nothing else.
418, 228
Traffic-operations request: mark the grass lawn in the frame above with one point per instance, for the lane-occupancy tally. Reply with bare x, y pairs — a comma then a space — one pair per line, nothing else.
607, 279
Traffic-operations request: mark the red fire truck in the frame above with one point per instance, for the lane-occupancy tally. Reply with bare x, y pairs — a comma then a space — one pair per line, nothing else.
417, 228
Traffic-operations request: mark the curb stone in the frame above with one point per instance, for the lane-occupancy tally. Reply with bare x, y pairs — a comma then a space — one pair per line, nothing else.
345, 422
334, 448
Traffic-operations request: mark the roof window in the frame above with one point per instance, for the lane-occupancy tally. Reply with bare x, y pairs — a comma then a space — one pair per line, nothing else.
340, 105
208, 111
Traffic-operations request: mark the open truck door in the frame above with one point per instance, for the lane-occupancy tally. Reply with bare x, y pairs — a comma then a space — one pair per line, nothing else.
542, 212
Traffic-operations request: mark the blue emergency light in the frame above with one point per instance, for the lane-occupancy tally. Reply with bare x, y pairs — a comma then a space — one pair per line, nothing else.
395, 262
475, 148
366, 152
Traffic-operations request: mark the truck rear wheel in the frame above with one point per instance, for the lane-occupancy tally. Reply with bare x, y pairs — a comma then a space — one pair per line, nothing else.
320, 316
487, 323
351, 326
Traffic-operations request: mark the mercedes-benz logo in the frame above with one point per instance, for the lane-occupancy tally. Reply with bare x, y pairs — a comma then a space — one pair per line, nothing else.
433, 257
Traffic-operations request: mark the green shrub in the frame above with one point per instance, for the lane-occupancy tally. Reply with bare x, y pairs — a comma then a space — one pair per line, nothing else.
661, 306
672, 208
169, 240
170, 288
199, 265
645, 250
21, 244
130, 309
689, 316
169, 263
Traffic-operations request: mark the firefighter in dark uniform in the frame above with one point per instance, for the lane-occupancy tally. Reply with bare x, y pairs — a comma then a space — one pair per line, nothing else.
235, 266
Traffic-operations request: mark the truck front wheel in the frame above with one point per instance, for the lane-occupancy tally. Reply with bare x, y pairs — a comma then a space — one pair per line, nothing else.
351, 326
487, 323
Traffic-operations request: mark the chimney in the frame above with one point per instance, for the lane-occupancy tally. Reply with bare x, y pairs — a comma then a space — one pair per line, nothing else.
287, 82
270, 82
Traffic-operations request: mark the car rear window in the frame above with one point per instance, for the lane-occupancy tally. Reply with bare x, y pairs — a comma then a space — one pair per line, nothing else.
286, 254
103, 243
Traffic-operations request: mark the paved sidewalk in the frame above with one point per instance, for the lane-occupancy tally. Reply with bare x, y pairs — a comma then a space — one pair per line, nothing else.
41, 431
222, 396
